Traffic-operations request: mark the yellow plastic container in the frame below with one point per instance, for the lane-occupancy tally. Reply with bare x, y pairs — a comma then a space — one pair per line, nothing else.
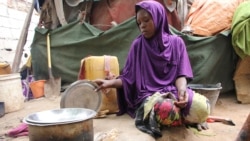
103, 67
94, 67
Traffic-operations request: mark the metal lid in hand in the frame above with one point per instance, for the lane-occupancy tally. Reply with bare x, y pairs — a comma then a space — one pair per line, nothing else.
82, 94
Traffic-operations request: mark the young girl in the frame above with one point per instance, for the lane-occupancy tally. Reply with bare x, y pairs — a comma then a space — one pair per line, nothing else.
154, 79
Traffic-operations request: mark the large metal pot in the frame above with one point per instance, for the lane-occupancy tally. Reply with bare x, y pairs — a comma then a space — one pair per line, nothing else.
67, 124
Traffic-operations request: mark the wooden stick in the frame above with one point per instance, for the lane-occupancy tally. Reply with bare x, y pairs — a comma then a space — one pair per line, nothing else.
22, 40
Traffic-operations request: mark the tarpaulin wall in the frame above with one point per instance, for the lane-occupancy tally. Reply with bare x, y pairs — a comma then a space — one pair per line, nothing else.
213, 58
73, 42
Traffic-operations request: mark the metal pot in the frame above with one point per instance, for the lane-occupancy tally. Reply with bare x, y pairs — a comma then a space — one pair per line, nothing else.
59, 128
79, 131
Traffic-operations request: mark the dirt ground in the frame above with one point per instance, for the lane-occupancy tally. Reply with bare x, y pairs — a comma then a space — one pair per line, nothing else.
122, 127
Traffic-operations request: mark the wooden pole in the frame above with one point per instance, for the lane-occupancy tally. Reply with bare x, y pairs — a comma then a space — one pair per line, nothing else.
244, 134
22, 40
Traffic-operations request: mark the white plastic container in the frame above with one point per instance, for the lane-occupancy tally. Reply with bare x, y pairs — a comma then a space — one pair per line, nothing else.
11, 92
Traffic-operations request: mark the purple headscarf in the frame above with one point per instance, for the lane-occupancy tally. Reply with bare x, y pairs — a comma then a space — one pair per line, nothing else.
153, 64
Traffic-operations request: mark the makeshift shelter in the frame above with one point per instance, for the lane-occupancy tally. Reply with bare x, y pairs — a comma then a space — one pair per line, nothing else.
213, 58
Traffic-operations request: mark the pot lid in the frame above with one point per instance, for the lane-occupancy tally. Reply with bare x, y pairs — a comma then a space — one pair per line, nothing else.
82, 94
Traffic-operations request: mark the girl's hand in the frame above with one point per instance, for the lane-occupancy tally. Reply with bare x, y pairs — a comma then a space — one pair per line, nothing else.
183, 99
181, 85
112, 83
102, 84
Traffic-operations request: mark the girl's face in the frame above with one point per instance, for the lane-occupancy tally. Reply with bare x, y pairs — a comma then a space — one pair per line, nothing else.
145, 23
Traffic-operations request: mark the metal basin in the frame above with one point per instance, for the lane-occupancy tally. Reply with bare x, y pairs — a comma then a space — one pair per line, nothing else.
211, 91
67, 124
